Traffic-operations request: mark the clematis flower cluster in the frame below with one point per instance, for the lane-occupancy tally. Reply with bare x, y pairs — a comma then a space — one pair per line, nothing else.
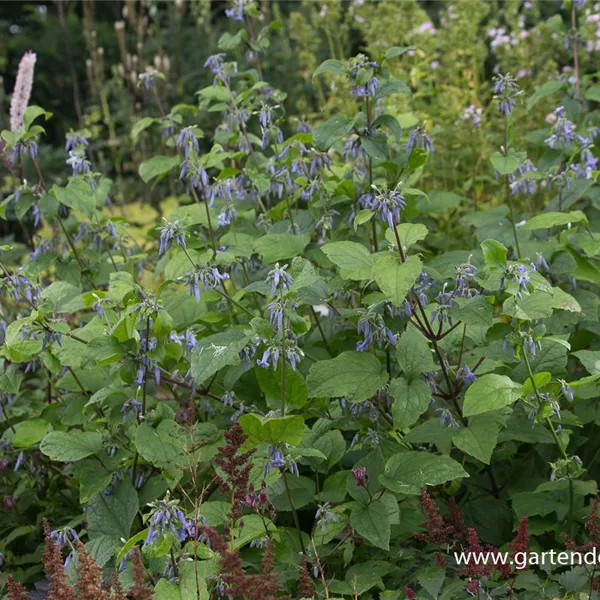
203, 277
165, 516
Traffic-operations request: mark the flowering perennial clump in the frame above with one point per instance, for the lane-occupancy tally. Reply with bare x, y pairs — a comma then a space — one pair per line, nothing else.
295, 327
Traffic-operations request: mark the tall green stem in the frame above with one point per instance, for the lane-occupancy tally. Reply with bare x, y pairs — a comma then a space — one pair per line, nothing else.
294, 512
575, 40
213, 236
561, 449
507, 190
283, 340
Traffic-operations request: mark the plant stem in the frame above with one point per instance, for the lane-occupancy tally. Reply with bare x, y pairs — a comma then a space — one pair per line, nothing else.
575, 39
428, 332
157, 98
283, 402
370, 167
145, 367
294, 512
224, 294
248, 20
62, 226
323, 337
560, 199
556, 440
235, 302
74, 251
283, 340
400, 250
213, 236
507, 190
74, 80
289, 211
143, 411
173, 563
6, 418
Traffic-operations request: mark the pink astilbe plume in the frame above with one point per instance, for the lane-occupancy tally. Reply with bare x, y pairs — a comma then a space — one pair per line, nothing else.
22, 90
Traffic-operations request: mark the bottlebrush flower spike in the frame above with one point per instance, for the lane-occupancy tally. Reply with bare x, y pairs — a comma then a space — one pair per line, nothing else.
16, 591
437, 531
519, 544
22, 90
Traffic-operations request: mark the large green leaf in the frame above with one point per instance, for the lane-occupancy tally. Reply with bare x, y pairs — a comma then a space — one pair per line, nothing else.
593, 93
506, 164
564, 301
354, 260
112, 514
410, 472
546, 89
476, 311
296, 392
213, 353
140, 126
281, 246
396, 278
332, 445
552, 219
415, 357
409, 234
441, 200
278, 430
157, 166
392, 86
375, 145
331, 65
411, 400
355, 375
30, 432
372, 523
10, 380
490, 392
93, 478
568, 197
77, 195
590, 359
162, 445
71, 446
494, 253
101, 549
330, 132
480, 438
302, 490
189, 587
103, 350
537, 305
397, 51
